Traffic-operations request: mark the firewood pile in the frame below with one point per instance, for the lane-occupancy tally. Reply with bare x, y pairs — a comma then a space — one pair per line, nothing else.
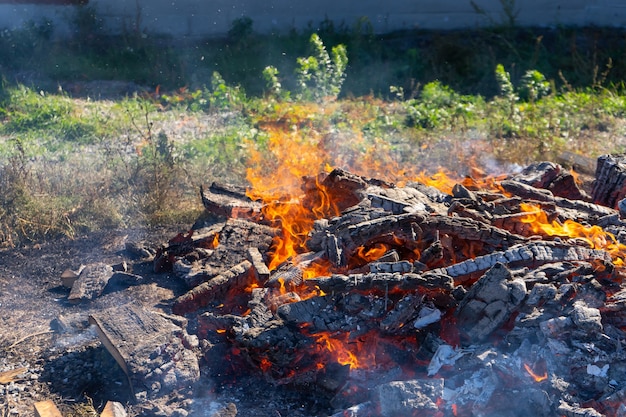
405, 300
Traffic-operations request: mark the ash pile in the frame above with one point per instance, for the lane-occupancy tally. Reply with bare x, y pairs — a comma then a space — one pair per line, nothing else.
405, 300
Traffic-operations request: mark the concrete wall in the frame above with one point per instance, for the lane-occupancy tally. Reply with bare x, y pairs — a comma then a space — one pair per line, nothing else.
198, 18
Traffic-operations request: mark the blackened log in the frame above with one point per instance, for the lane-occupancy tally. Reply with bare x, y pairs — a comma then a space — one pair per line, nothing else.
352, 313
382, 282
530, 254
211, 322
260, 269
235, 237
400, 266
490, 302
230, 203
403, 311
238, 276
401, 200
609, 186
462, 210
582, 210
540, 174
287, 276
411, 228
142, 341
526, 191
565, 186
91, 282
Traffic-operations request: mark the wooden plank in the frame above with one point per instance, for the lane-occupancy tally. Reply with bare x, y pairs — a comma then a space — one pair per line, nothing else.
135, 337
113, 409
46, 408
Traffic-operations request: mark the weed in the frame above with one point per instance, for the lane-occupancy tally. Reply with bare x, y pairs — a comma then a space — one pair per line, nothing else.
321, 75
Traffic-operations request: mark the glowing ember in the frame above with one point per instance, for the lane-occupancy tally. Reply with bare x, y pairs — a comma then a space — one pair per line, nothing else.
536, 377
358, 353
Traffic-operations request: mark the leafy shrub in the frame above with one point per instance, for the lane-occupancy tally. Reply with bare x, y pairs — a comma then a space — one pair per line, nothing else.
320, 76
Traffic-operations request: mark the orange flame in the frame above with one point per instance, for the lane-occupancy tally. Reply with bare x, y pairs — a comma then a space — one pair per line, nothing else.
278, 186
595, 236
441, 180
357, 354
372, 253
321, 268
536, 377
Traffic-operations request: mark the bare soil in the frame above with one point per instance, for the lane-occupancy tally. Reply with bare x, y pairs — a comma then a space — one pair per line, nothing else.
61, 359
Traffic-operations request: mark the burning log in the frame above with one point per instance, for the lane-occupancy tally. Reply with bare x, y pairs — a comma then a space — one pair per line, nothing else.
531, 254
230, 202
382, 282
238, 276
384, 276
233, 241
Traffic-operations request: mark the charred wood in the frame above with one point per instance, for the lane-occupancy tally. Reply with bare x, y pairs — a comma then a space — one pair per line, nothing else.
230, 202
530, 254
490, 302
609, 186
382, 282
141, 342
261, 270
90, 282
235, 238
239, 276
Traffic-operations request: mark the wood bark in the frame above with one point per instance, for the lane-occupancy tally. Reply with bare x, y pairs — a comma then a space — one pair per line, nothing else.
609, 186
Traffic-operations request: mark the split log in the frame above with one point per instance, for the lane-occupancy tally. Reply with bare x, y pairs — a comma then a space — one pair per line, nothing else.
382, 282
490, 302
530, 254
91, 282
148, 348
235, 238
231, 202
113, 409
609, 186
238, 276
410, 228
261, 270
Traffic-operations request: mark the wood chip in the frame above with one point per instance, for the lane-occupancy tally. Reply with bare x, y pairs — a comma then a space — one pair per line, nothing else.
46, 408
6, 377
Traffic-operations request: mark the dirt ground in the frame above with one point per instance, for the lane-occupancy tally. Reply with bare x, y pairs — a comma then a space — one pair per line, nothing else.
60, 358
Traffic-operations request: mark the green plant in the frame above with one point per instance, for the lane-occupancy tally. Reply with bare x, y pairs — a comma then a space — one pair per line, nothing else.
224, 96
273, 85
320, 76
439, 106
534, 86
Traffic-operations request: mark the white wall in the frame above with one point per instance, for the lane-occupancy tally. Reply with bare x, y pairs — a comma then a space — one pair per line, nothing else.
197, 18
